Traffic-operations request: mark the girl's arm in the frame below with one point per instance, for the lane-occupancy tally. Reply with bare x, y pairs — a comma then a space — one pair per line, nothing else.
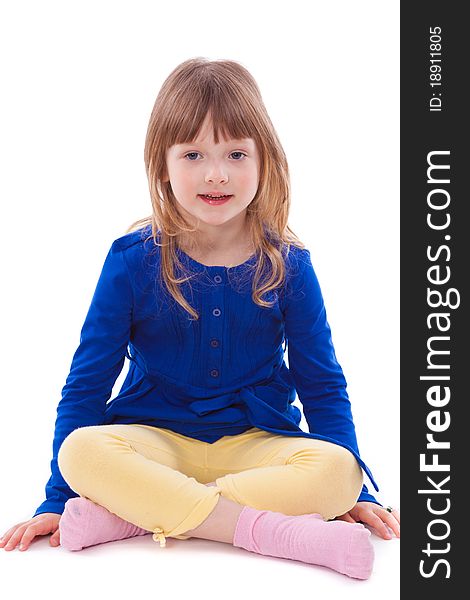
317, 375
96, 364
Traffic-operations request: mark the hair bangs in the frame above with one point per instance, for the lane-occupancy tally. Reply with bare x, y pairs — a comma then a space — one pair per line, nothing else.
229, 120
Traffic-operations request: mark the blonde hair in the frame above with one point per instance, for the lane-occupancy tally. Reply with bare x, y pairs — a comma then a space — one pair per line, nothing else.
228, 92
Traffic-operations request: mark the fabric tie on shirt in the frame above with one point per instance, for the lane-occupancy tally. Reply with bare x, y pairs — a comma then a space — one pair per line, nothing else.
259, 412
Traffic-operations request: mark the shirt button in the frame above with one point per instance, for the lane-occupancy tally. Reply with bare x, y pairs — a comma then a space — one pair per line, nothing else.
214, 373
217, 278
214, 343
216, 312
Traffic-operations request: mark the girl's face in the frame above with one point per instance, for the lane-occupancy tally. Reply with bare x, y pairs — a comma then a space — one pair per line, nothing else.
203, 167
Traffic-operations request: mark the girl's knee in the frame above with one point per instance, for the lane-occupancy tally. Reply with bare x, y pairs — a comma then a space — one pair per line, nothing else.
75, 449
345, 480
337, 472
344, 464
333, 461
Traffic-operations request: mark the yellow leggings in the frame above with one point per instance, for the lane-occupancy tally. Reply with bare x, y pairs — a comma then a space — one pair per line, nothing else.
154, 477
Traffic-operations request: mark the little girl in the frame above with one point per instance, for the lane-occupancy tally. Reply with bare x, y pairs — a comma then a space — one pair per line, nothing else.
204, 297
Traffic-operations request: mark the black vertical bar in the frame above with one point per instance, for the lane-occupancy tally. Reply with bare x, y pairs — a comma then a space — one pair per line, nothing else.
435, 268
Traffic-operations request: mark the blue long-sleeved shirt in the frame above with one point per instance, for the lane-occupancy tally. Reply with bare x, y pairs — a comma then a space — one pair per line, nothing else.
219, 375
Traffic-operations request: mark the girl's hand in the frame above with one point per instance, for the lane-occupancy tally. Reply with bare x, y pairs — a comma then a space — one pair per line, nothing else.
25, 532
374, 515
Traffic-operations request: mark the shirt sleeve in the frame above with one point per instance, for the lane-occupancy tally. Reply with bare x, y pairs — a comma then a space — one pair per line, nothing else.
96, 364
317, 375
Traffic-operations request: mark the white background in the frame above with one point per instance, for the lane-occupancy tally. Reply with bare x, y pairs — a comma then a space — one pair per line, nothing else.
79, 80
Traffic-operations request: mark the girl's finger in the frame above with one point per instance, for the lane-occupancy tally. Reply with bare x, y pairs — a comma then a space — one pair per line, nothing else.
27, 538
15, 538
34, 530
391, 521
7, 535
396, 514
55, 539
376, 522
346, 517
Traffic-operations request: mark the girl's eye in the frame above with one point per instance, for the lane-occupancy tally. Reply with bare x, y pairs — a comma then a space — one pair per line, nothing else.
189, 154
237, 152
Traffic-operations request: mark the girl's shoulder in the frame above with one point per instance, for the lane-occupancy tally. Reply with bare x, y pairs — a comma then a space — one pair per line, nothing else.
133, 238
137, 247
296, 259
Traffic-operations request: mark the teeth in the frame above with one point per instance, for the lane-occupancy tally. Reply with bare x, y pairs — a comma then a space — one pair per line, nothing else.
215, 197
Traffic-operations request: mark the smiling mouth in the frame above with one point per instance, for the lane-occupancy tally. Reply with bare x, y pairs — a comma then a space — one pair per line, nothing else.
215, 199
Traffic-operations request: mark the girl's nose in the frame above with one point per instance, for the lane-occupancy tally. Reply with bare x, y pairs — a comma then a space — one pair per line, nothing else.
216, 173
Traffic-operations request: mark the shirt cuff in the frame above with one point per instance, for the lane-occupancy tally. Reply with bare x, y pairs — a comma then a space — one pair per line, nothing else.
365, 496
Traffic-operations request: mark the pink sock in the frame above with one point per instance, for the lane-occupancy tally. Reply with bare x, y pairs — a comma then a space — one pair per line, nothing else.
342, 546
84, 523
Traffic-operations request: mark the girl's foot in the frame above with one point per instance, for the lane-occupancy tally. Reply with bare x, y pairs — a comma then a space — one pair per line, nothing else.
84, 523
342, 546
